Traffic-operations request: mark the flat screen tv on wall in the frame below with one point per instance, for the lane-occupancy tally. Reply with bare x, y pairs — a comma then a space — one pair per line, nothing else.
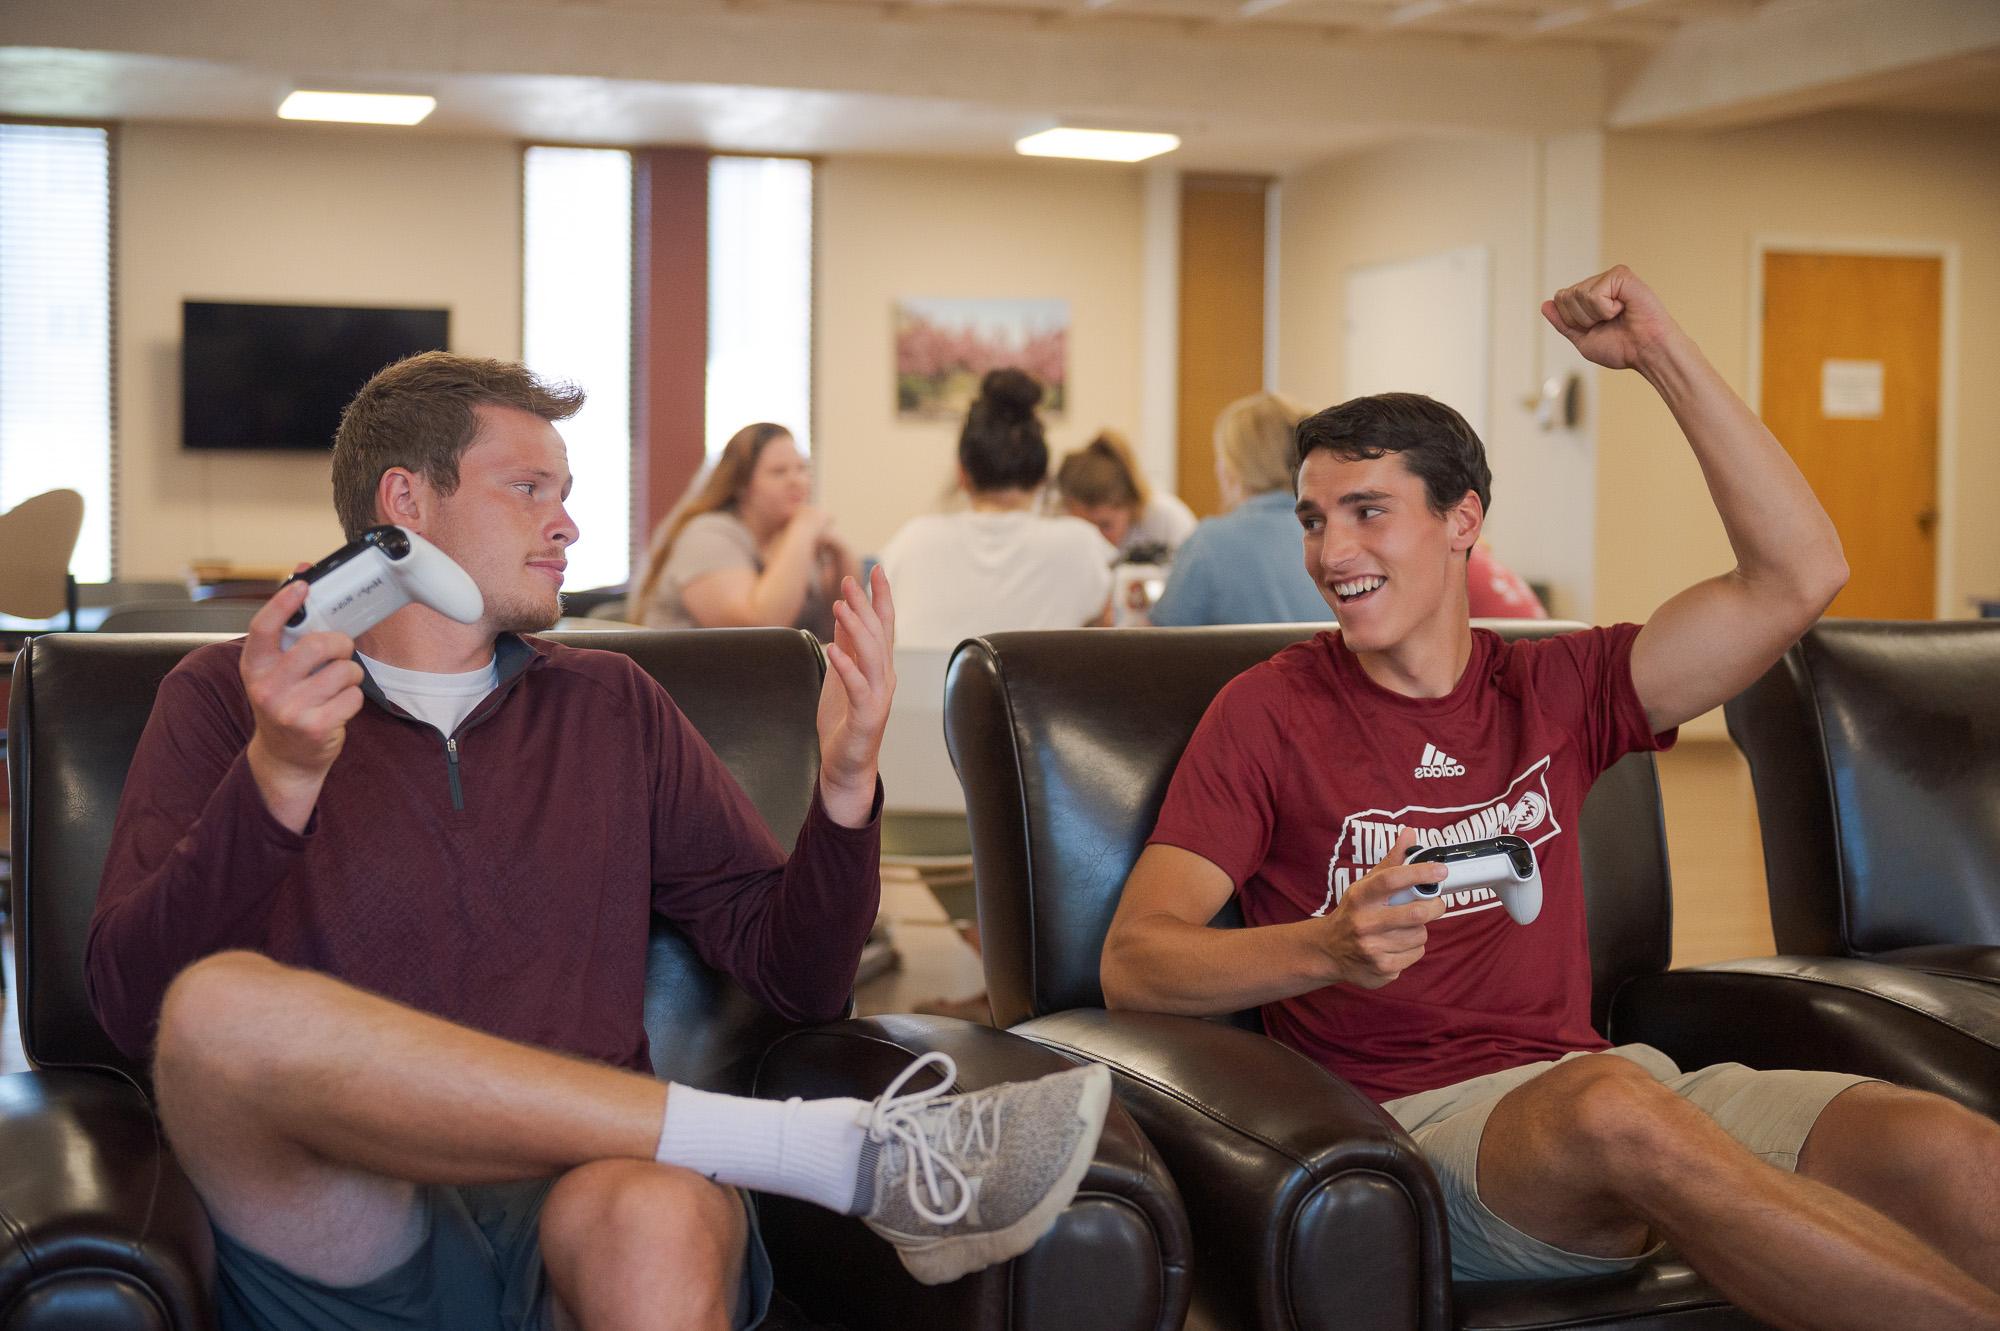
277, 376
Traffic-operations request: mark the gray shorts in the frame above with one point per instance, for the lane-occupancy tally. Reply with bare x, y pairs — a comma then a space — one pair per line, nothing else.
1770, 1113
478, 1269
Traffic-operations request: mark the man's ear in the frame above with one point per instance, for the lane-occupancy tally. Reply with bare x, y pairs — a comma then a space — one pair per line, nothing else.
1466, 519
403, 498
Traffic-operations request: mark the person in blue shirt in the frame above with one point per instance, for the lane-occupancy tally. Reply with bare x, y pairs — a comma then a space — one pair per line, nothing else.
1245, 567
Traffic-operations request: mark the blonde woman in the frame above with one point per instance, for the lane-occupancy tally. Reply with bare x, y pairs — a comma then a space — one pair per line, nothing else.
1247, 566
1102, 484
747, 546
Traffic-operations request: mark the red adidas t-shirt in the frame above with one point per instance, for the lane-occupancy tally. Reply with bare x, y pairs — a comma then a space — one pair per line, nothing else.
1304, 771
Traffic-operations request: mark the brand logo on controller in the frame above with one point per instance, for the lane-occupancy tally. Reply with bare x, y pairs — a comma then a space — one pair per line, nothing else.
1436, 762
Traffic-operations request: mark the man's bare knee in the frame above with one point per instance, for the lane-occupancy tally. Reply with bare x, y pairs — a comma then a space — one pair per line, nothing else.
628, 1222
1611, 1121
201, 1049
208, 1002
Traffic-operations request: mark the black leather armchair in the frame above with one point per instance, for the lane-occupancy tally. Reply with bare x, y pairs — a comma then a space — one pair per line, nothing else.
99, 1229
1875, 752
1311, 1208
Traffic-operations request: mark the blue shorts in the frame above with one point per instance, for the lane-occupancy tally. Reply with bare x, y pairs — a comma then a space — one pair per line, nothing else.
479, 1268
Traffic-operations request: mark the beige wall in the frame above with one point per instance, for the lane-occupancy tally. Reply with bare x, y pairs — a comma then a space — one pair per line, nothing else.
305, 215
1685, 209
1532, 206
892, 227
343, 216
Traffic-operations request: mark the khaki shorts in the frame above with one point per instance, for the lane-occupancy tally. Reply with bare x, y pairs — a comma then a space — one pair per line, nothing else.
1770, 1113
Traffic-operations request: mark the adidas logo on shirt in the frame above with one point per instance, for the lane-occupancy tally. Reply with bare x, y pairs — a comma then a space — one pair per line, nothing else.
1436, 762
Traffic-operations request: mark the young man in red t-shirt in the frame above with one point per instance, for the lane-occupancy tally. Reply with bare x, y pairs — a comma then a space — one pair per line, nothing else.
1314, 775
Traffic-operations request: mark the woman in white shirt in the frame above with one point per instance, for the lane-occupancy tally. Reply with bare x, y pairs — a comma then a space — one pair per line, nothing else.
1000, 564
1102, 484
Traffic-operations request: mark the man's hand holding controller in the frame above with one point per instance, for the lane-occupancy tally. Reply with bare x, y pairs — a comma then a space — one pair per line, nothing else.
302, 699
1372, 942
298, 667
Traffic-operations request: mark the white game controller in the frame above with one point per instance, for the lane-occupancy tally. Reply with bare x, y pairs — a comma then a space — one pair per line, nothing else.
371, 578
1504, 863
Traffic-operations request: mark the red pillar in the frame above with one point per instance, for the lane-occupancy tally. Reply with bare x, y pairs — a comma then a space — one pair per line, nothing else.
669, 331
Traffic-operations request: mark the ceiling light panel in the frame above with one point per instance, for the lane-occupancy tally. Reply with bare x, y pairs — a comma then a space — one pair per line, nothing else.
1097, 145
357, 108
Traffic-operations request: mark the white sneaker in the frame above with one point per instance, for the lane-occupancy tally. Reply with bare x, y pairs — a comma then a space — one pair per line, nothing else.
960, 1182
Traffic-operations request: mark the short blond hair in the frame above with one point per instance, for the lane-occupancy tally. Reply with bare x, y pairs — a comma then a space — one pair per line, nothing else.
1254, 439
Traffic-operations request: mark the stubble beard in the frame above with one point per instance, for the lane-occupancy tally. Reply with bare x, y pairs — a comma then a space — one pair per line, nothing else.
520, 614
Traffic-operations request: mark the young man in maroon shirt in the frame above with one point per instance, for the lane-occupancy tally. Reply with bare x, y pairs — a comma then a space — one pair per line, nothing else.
1315, 774
383, 933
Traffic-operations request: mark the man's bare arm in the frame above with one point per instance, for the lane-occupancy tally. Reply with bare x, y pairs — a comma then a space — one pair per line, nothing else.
1161, 956
1708, 643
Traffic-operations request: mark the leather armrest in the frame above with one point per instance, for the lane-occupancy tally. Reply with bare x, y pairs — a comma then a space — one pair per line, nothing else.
98, 1225
1956, 961
1118, 1257
1901, 1025
1311, 1207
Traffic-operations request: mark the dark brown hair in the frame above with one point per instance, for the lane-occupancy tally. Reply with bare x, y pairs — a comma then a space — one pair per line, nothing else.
1436, 444
418, 414
1001, 446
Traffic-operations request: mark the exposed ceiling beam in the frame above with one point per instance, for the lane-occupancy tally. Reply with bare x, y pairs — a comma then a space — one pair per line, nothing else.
1420, 87
1791, 59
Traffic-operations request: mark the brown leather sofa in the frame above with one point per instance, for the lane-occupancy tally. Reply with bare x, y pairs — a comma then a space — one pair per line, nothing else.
100, 1230
1311, 1209
1875, 751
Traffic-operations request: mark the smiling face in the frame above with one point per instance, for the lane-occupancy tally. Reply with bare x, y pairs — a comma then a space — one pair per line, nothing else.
1392, 569
505, 524
780, 484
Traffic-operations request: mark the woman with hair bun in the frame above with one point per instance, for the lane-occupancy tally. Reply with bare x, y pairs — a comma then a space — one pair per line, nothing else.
1000, 564
746, 546
1102, 484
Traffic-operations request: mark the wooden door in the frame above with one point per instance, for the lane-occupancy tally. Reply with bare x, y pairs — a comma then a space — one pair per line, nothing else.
1851, 346
1222, 319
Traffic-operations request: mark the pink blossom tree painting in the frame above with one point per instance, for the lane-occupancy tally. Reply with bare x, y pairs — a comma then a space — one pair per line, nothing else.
944, 347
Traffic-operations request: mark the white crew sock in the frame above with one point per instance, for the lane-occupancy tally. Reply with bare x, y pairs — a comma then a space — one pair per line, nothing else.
809, 1149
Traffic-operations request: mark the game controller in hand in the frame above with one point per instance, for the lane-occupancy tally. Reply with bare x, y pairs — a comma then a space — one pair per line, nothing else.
1504, 863
367, 580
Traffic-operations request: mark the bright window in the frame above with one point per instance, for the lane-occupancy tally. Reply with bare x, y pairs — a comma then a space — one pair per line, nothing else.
55, 325
760, 244
577, 325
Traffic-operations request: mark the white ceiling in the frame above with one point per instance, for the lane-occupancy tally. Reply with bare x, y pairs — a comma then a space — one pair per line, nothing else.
1250, 85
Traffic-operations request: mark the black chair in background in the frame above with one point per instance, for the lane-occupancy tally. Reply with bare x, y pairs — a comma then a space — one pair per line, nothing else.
100, 1230
181, 616
1874, 748
1311, 1208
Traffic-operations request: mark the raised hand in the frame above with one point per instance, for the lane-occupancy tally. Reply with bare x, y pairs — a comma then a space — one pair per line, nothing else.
302, 700
1614, 319
1372, 942
854, 699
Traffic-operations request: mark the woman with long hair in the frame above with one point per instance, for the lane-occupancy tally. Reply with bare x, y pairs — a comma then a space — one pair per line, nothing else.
1102, 484
1000, 564
746, 546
